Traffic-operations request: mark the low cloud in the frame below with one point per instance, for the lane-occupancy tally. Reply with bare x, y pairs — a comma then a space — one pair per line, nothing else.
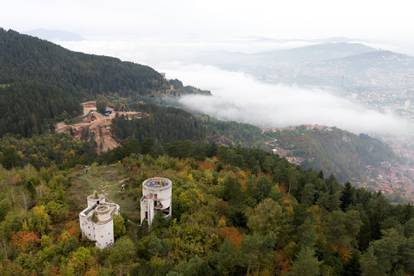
239, 97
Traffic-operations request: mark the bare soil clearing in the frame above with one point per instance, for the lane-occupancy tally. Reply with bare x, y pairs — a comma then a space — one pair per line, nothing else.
96, 126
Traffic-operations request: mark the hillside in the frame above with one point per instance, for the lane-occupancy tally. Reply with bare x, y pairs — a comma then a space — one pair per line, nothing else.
23, 58
167, 124
331, 150
235, 212
41, 82
29, 107
347, 156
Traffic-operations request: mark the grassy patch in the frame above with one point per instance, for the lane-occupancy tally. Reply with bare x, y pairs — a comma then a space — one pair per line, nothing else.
104, 179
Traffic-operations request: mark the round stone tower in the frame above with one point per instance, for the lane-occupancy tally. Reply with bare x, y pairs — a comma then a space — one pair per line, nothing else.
156, 197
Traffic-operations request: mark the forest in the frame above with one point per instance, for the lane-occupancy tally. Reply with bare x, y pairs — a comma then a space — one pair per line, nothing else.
166, 124
24, 57
30, 108
236, 211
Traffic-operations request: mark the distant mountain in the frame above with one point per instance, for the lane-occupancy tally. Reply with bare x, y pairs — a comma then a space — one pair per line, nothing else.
377, 70
314, 53
332, 150
41, 82
381, 79
258, 62
55, 35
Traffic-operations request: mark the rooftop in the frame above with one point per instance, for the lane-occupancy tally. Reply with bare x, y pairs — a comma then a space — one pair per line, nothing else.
157, 182
106, 209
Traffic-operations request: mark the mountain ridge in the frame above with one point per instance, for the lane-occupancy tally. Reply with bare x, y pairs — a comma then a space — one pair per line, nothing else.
377, 78
53, 34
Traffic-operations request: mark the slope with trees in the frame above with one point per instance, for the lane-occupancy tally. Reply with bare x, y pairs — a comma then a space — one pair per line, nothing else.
41, 82
335, 151
236, 212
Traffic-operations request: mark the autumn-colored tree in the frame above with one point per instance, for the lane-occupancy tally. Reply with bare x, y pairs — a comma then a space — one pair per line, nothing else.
72, 228
39, 219
79, 261
232, 234
25, 240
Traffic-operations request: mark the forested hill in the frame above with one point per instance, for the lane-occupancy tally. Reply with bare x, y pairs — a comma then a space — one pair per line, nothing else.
24, 58
41, 82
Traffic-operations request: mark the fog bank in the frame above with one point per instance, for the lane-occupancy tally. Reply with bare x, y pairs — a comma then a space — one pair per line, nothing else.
239, 97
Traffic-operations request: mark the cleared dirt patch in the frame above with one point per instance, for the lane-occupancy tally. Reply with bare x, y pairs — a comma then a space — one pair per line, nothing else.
96, 126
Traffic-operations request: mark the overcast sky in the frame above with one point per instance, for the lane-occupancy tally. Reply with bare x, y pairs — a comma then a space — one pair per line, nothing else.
364, 19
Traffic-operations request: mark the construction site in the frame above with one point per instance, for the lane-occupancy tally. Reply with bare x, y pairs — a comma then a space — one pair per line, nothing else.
96, 126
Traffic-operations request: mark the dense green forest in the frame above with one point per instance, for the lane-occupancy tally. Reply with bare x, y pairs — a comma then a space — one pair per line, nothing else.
23, 57
41, 82
164, 124
29, 108
236, 211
